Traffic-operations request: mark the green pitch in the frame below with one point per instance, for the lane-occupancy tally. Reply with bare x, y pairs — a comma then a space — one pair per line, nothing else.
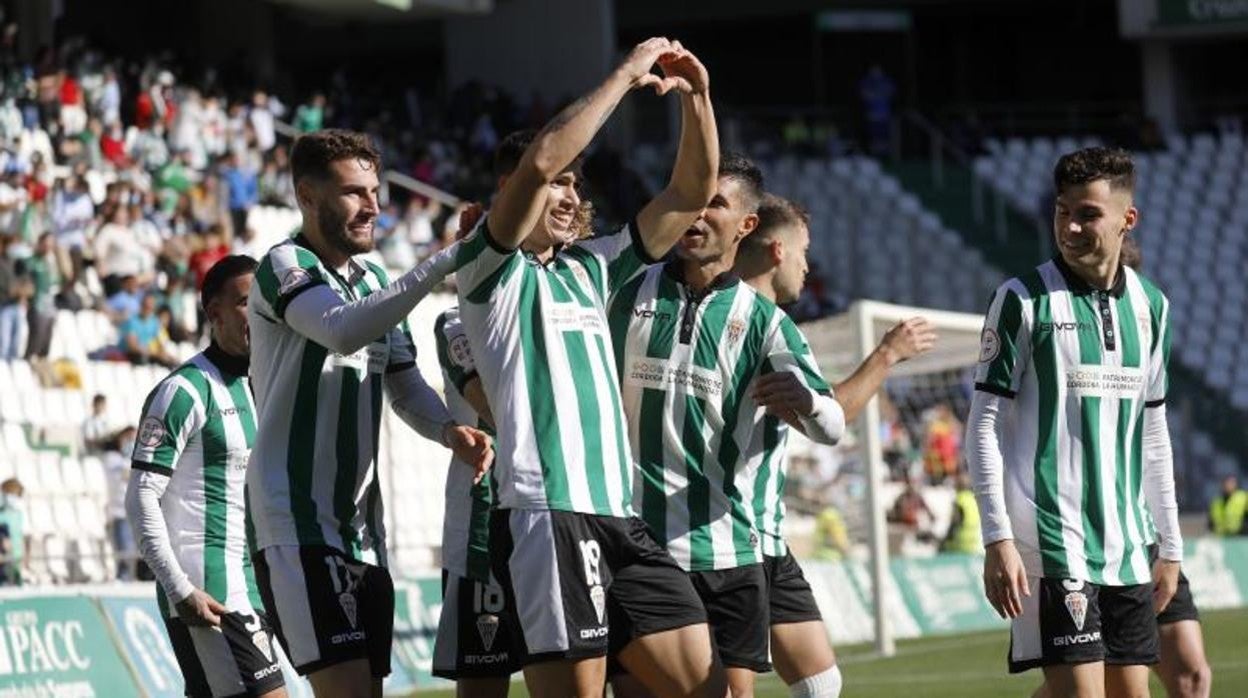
971, 666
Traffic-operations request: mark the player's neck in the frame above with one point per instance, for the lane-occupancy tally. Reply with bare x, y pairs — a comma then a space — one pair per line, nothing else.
763, 284
331, 256
1101, 275
700, 276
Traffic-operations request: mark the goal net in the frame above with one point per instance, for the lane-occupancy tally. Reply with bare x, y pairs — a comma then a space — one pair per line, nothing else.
911, 432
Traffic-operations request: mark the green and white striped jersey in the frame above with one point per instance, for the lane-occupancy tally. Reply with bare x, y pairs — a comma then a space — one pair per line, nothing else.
539, 335
466, 521
768, 500
313, 474
198, 428
1080, 365
687, 361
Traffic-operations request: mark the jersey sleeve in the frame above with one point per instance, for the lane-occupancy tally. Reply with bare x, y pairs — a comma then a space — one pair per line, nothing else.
482, 266
400, 346
615, 259
285, 272
1004, 344
171, 418
788, 350
1159, 358
454, 354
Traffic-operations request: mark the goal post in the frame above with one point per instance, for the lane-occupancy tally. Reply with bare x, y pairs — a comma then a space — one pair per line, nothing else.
840, 344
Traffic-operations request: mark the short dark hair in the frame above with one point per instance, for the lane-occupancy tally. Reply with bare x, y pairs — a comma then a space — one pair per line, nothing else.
315, 152
228, 268
1093, 164
511, 149
737, 166
776, 212
510, 152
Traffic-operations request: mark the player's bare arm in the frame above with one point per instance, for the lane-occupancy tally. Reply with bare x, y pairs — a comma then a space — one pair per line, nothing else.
519, 204
906, 340
693, 182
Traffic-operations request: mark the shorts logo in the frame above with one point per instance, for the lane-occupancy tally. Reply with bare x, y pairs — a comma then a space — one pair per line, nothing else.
461, 354
1076, 602
487, 628
292, 280
261, 640
591, 557
347, 601
151, 432
989, 345
736, 328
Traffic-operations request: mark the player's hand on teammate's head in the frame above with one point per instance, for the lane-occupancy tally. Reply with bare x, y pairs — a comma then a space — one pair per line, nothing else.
200, 609
469, 216
685, 69
784, 395
909, 338
1165, 583
471, 446
1005, 578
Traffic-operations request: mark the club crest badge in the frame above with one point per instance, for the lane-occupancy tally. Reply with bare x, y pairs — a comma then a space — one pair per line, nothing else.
487, 628
736, 328
989, 345
261, 640
347, 601
599, 597
1076, 602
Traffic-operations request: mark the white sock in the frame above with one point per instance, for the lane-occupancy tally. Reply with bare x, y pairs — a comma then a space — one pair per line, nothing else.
823, 685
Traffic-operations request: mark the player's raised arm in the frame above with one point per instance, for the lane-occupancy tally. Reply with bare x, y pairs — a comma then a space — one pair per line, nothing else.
521, 198
666, 217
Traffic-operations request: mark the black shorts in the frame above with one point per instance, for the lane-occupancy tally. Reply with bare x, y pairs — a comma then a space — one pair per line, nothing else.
327, 608
581, 585
736, 607
788, 592
240, 659
1182, 606
476, 638
1066, 621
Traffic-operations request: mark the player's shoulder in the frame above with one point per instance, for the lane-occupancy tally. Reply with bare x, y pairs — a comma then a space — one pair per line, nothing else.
1033, 283
1147, 285
192, 378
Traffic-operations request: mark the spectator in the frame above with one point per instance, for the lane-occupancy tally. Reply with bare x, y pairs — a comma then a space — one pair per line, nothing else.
73, 214
46, 268
143, 339
241, 190
942, 444
910, 508
124, 304
96, 432
831, 535
12, 532
964, 534
118, 253
1227, 511
14, 327
213, 250
117, 470
109, 104
877, 91
262, 121
311, 116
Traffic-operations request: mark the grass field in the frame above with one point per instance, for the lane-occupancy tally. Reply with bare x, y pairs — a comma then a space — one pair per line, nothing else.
973, 666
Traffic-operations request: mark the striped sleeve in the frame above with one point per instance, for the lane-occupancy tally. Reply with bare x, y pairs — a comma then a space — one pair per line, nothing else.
454, 354
286, 271
616, 258
1159, 354
1004, 346
788, 350
172, 416
482, 266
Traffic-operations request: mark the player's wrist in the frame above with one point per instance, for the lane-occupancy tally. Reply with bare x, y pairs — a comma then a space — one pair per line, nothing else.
447, 427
